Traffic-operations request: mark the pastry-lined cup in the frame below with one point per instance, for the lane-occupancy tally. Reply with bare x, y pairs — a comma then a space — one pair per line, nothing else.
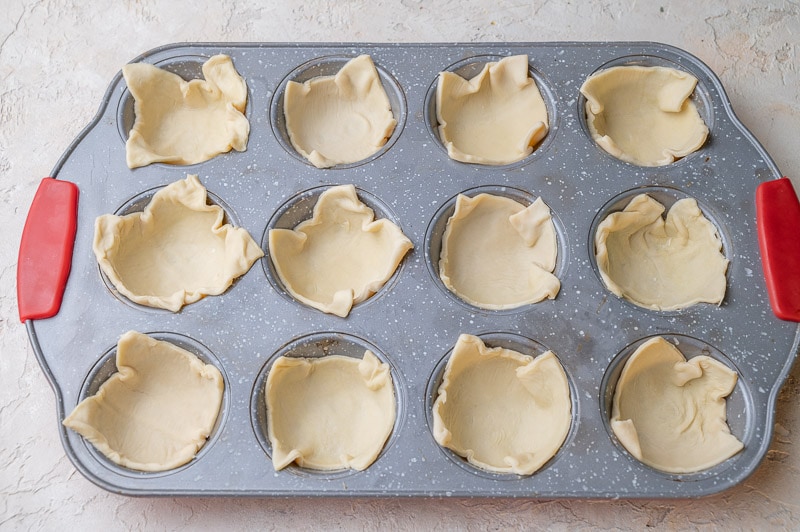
520, 344
317, 345
106, 366
739, 404
188, 67
438, 225
330, 66
701, 97
667, 196
469, 68
300, 208
137, 204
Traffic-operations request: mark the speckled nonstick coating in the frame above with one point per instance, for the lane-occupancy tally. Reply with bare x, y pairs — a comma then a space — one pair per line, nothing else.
414, 322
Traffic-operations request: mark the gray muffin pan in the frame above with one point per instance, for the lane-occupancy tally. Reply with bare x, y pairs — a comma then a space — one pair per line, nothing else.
413, 322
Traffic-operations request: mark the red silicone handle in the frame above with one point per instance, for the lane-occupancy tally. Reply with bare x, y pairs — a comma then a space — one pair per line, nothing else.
778, 219
45, 252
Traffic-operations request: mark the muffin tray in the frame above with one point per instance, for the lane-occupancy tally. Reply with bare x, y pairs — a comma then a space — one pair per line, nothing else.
413, 322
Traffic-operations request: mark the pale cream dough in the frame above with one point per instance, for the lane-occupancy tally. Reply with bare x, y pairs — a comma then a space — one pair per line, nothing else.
657, 263
157, 411
644, 115
495, 118
176, 251
339, 119
498, 254
339, 257
670, 413
186, 122
332, 412
503, 411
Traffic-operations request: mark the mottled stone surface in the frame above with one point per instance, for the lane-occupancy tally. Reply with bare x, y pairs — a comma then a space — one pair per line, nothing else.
56, 59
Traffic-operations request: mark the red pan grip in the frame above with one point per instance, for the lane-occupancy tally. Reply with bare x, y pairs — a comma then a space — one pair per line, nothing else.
778, 220
45, 251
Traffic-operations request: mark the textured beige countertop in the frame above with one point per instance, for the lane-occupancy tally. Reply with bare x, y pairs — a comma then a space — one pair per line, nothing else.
56, 59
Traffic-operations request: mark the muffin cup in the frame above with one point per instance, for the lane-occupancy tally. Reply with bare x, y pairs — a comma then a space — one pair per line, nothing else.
667, 196
300, 208
701, 97
330, 66
469, 68
739, 404
106, 367
517, 343
137, 204
318, 345
188, 67
438, 225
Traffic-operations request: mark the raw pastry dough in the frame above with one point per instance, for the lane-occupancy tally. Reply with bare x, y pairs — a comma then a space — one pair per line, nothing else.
643, 115
186, 122
661, 264
339, 119
670, 413
331, 412
498, 254
503, 411
341, 256
174, 252
495, 118
156, 412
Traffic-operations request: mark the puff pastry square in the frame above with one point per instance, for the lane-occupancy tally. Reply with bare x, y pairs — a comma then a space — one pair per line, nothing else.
157, 411
186, 122
176, 251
